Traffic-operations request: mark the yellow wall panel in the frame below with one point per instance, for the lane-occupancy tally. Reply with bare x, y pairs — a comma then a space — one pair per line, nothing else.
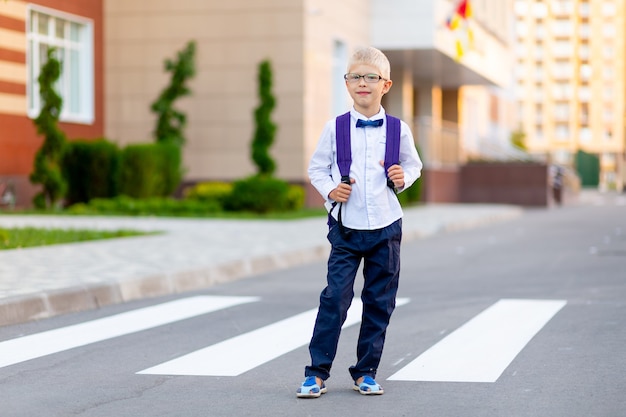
10, 39
13, 104
13, 8
12, 72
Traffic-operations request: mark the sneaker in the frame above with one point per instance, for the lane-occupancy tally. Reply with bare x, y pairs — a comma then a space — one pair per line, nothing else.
368, 387
310, 388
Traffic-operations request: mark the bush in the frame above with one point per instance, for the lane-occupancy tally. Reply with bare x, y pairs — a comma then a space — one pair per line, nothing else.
91, 169
150, 170
154, 206
216, 192
259, 194
296, 197
414, 193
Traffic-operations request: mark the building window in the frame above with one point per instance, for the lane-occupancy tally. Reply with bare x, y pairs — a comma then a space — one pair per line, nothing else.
584, 94
585, 31
540, 10
608, 9
585, 9
563, 49
562, 133
562, 91
608, 30
340, 98
585, 135
561, 111
562, 70
72, 37
584, 52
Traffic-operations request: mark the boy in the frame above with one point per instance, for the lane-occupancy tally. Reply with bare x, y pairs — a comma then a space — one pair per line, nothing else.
365, 222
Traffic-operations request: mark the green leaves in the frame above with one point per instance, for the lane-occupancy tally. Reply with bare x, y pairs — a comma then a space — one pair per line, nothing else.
47, 165
171, 122
265, 129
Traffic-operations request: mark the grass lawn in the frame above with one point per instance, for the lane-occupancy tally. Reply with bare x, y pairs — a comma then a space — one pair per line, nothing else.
12, 238
25, 237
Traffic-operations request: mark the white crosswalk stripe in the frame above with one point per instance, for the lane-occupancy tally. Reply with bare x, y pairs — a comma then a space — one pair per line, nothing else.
235, 356
53, 341
483, 348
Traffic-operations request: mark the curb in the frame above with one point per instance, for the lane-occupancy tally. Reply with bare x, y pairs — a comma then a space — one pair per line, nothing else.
22, 309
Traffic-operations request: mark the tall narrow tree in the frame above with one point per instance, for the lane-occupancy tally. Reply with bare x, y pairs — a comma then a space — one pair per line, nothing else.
265, 128
47, 165
171, 122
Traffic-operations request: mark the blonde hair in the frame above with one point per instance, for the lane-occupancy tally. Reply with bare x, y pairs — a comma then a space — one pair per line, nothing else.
371, 56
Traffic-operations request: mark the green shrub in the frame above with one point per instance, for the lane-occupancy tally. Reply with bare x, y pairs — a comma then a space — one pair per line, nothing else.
413, 194
91, 169
150, 170
296, 197
210, 191
259, 194
154, 206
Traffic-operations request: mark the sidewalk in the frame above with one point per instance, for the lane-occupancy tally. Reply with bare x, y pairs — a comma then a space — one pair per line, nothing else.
191, 254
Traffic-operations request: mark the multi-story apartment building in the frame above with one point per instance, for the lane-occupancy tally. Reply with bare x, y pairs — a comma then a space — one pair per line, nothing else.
113, 70
571, 81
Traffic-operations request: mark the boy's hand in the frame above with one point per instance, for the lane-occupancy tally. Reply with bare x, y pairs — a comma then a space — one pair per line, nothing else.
395, 174
342, 192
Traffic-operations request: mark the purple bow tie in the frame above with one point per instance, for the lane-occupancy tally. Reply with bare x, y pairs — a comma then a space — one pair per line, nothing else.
365, 123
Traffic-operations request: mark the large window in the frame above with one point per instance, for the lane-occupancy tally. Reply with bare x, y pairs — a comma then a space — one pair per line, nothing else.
72, 38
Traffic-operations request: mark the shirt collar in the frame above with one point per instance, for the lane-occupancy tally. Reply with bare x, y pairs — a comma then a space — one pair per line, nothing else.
355, 115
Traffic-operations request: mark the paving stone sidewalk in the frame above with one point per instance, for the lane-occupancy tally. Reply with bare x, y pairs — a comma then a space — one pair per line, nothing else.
190, 254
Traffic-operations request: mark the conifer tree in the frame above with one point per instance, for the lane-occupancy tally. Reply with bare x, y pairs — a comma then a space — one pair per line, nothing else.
171, 122
47, 166
265, 128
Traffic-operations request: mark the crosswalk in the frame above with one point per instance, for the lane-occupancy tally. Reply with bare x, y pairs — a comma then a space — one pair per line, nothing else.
478, 351
58, 340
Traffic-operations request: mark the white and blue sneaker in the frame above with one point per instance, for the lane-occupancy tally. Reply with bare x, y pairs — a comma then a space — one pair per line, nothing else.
368, 387
310, 388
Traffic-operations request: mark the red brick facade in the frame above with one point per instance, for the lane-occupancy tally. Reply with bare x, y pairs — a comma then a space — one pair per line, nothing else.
19, 140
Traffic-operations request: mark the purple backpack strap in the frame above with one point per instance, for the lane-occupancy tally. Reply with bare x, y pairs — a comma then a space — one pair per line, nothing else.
344, 151
392, 147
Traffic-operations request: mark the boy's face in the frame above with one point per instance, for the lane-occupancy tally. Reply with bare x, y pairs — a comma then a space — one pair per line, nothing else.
367, 96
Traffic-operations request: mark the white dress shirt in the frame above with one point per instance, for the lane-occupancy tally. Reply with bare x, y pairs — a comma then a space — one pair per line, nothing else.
372, 204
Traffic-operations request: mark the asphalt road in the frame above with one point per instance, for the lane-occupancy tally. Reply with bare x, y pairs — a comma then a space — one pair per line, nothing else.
539, 302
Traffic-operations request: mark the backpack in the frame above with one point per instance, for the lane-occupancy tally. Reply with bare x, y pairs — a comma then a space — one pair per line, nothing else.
344, 155
344, 151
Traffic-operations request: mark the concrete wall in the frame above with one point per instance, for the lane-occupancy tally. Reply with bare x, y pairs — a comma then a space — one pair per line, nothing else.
232, 39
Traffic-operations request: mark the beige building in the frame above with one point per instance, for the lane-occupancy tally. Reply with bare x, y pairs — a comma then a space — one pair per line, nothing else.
308, 43
571, 81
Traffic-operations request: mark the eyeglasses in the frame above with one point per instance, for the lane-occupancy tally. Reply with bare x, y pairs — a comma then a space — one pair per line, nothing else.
369, 78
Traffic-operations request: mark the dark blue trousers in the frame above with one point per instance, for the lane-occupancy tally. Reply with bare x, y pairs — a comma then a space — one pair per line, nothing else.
380, 252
